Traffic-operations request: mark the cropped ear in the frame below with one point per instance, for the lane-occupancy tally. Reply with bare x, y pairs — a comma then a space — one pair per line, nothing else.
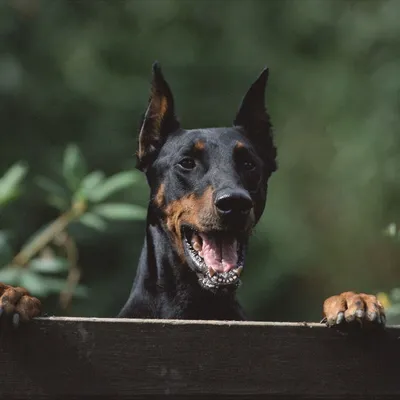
159, 120
254, 119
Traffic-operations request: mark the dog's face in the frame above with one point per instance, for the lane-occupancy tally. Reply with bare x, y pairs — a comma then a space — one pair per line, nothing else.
208, 186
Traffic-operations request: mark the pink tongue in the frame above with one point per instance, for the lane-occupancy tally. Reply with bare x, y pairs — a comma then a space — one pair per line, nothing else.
220, 255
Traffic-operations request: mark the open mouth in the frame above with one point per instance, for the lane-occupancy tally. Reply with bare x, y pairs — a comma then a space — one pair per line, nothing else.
218, 257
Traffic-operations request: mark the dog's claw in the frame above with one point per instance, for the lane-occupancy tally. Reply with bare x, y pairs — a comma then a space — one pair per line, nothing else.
16, 320
359, 313
17, 306
354, 310
340, 318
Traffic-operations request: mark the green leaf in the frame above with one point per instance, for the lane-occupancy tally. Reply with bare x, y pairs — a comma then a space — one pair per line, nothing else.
58, 196
92, 180
6, 253
114, 183
395, 294
56, 285
81, 291
390, 230
51, 187
35, 235
11, 275
93, 221
57, 202
393, 311
9, 183
74, 166
120, 211
34, 283
88, 184
47, 265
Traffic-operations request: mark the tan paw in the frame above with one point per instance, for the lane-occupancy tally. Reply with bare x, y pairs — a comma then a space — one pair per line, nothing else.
354, 308
17, 305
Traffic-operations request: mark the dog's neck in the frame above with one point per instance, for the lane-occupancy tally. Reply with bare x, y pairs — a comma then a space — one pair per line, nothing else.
165, 287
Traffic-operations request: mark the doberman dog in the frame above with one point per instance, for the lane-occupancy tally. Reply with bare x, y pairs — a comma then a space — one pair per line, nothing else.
208, 191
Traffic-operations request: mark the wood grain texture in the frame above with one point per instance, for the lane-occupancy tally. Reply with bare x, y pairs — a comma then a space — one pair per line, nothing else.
79, 357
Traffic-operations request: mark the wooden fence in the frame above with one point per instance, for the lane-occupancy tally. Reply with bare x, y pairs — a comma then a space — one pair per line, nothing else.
113, 358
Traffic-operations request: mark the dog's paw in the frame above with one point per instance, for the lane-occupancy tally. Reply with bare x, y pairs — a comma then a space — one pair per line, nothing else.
354, 309
16, 305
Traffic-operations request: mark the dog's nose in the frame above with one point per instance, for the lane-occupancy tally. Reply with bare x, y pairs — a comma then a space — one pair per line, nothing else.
233, 203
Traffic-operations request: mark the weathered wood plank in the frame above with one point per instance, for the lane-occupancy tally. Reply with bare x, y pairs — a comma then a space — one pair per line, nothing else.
119, 357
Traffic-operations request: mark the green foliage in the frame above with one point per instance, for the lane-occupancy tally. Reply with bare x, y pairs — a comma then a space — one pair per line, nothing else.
56, 195
5, 249
116, 182
393, 311
74, 167
48, 265
10, 183
78, 197
392, 231
391, 300
75, 75
10, 188
93, 221
120, 211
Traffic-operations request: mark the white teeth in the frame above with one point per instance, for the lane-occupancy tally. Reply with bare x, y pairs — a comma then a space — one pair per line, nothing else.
196, 242
196, 246
211, 278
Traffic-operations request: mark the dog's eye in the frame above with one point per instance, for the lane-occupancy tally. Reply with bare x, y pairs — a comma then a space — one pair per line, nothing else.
249, 165
187, 163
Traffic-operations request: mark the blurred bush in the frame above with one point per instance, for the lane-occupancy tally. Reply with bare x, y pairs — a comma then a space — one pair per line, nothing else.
48, 263
78, 72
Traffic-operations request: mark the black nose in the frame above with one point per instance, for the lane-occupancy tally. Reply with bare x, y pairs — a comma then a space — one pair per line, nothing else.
233, 203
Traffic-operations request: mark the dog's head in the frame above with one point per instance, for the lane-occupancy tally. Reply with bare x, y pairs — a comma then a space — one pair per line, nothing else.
208, 186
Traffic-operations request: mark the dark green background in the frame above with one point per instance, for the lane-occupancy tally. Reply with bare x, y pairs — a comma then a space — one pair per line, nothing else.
79, 71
